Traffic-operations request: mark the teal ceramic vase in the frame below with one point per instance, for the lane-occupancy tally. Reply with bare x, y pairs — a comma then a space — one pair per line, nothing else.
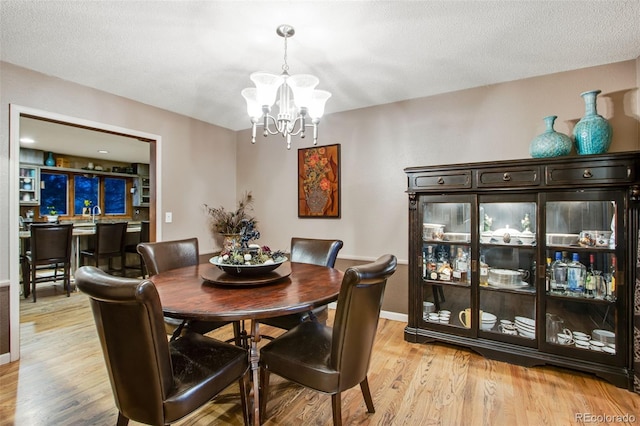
593, 132
50, 161
550, 143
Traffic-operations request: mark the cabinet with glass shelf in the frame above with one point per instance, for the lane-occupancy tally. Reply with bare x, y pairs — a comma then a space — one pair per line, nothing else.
483, 240
29, 185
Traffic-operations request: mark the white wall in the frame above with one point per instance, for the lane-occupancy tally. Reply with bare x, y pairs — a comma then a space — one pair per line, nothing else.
483, 124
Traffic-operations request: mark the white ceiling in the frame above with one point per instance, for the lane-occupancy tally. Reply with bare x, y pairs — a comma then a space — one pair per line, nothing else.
194, 57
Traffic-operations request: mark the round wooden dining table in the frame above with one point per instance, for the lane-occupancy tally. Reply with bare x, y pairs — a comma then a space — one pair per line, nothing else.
204, 292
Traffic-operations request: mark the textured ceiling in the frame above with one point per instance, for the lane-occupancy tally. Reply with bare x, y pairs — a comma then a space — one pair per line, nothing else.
194, 57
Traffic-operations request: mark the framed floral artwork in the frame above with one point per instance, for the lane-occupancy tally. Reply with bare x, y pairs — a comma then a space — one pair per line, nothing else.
319, 182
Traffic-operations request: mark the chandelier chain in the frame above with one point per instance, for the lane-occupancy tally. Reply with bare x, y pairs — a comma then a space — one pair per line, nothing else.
285, 66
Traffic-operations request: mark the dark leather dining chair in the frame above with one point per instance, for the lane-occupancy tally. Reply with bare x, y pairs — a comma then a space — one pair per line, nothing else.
133, 248
50, 248
166, 255
317, 252
155, 381
332, 360
108, 244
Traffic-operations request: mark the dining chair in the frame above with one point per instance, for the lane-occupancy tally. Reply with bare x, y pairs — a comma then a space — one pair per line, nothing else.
50, 249
332, 360
317, 252
108, 244
166, 255
133, 248
155, 381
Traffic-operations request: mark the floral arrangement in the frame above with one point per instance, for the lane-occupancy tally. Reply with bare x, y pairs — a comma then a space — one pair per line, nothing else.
316, 170
52, 210
235, 222
255, 255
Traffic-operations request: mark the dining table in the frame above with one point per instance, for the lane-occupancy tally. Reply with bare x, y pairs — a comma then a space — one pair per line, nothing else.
204, 292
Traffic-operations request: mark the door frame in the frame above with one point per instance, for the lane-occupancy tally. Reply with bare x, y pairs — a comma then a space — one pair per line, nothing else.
155, 170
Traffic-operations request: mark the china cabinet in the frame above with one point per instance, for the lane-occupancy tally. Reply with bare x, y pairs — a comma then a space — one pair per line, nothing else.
528, 261
29, 185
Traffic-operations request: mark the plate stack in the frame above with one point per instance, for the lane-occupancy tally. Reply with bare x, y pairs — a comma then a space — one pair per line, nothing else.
526, 327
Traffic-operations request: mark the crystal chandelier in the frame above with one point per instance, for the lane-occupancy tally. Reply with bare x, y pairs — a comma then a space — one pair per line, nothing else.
298, 101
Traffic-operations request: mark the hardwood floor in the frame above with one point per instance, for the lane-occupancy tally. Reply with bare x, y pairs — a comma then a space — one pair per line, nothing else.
61, 379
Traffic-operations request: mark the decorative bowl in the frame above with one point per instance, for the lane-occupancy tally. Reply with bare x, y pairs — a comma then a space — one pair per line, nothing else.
247, 269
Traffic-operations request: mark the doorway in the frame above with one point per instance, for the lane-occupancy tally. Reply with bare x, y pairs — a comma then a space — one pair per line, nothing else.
17, 113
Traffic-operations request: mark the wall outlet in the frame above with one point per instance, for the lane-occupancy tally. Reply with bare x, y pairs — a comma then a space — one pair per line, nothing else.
168, 217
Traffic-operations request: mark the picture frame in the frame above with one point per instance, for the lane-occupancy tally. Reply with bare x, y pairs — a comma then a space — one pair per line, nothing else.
319, 182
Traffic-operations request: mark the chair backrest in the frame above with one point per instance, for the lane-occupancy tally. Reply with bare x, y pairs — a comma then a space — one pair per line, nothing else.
315, 251
110, 238
165, 255
128, 316
50, 243
356, 318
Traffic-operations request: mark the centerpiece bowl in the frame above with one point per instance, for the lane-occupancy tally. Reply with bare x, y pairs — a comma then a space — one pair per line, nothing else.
248, 269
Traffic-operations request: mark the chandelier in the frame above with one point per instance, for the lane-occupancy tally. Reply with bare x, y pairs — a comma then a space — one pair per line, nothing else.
298, 101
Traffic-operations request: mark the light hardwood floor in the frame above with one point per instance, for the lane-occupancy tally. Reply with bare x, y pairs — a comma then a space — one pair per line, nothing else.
61, 380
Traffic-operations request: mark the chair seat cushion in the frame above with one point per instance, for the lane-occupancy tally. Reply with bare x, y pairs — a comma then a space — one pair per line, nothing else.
287, 322
302, 355
201, 367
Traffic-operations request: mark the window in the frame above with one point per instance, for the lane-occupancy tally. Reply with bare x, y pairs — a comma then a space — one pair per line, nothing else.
115, 196
67, 192
54, 193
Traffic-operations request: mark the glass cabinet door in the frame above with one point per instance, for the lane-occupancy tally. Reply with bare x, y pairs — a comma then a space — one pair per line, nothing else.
446, 263
582, 277
507, 269
29, 185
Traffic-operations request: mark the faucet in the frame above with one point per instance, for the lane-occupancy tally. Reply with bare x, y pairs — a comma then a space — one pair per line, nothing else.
93, 213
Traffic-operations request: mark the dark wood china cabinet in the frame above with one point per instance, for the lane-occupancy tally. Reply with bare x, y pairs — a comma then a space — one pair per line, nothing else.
528, 261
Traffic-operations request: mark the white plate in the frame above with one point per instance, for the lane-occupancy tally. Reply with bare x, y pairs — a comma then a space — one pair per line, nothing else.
528, 321
604, 336
519, 285
527, 334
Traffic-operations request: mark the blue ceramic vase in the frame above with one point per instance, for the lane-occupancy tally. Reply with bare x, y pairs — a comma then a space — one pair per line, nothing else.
593, 132
50, 161
550, 143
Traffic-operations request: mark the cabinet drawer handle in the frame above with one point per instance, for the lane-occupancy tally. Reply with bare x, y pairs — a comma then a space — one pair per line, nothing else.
587, 174
440, 180
506, 177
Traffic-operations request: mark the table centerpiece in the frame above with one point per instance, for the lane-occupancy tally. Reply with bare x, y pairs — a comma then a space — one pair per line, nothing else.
239, 228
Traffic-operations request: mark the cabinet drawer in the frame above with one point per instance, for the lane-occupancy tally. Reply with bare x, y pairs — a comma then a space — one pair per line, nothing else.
514, 176
590, 173
440, 180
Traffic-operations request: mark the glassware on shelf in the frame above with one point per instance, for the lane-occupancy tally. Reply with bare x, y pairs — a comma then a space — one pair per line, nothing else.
429, 264
484, 271
558, 275
461, 266
610, 279
576, 276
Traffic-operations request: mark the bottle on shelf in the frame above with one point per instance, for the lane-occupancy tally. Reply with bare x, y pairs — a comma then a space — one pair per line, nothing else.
548, 275
576, 276
430, 265
590, 280
444, 267
559, 275
484, 271
610, 278
461, 266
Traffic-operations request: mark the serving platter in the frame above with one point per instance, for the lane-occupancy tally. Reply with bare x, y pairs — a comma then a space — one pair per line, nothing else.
247, 270
213, 275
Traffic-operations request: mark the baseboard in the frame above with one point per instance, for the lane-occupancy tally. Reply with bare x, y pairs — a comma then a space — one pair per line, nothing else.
393, 316
5, 358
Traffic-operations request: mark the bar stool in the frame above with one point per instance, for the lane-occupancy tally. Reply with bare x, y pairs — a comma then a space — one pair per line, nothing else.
109, 243
50, 247
133, 248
